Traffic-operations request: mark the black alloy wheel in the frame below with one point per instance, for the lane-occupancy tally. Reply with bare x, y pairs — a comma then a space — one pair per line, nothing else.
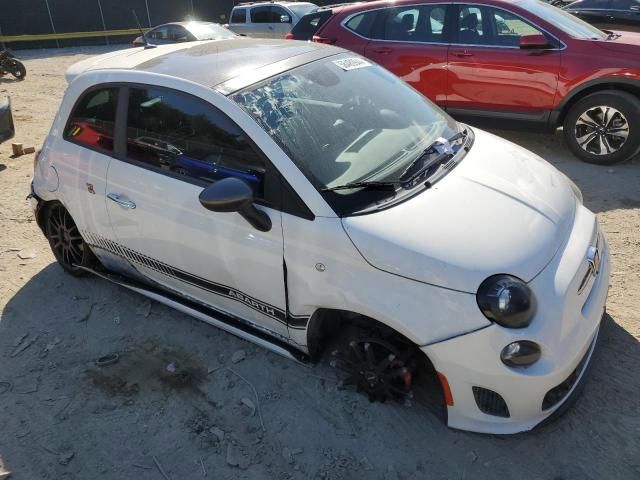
376, 368
65, 240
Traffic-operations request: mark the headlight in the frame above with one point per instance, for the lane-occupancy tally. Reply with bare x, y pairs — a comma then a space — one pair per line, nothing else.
506, 300
576, 190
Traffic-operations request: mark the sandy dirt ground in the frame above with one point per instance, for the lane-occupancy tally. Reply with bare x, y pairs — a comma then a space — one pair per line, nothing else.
61, 417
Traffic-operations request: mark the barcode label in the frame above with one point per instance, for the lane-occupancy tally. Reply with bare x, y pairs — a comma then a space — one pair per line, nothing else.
351, 63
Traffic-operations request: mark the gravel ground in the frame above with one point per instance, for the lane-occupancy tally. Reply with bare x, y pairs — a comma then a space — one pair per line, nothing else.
62, 417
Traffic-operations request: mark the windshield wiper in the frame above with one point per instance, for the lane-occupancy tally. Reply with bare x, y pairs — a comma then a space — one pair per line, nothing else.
612, 35
443, 150
370, 185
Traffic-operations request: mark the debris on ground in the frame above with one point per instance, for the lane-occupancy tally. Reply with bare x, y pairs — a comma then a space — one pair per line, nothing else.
64, 458
238, 356
22, 347
160, 469
218, 433
49, 346
172, 368
235, 458
144, 309
26, 254
249, 407
108, 359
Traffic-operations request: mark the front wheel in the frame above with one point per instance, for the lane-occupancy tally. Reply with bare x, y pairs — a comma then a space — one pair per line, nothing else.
604, 128
380, 366
65, 240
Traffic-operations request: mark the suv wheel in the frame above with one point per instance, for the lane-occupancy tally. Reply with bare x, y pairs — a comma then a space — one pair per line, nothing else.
65, 240
604, 127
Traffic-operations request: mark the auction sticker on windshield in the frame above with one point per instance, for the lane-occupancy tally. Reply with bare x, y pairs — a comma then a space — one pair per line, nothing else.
351, 63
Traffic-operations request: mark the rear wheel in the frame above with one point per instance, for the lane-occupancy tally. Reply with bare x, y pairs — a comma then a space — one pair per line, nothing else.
17, 69
65, 240
604, 127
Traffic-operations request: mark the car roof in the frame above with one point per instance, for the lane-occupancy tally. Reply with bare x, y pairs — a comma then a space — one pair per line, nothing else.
257, 4
228, 65
186, 23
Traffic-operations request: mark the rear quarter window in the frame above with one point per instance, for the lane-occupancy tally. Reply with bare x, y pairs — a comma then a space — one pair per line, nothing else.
92, 121
362, 23
309, 24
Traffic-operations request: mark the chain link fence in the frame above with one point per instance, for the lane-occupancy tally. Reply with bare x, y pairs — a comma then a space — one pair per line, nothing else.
20, 17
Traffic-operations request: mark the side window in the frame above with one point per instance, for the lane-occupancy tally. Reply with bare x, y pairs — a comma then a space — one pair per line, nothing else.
239, 15
362, 24
470, 26
261, 15
277, 13
179, 34
91, 124
176, 132
161, 33
423, 23
508, 28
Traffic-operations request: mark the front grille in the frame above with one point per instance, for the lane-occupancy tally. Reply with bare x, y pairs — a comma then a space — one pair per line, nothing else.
557, 393
490, 402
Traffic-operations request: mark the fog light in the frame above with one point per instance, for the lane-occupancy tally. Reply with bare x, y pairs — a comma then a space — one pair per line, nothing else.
520, 354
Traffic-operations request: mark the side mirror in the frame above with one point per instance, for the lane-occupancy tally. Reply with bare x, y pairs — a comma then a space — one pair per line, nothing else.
536, 41
285, 19
7, 129
234, 195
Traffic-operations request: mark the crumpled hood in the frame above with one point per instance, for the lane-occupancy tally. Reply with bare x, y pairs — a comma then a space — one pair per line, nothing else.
501, 210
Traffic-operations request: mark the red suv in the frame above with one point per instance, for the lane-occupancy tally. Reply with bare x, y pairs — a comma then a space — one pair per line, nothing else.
517, 63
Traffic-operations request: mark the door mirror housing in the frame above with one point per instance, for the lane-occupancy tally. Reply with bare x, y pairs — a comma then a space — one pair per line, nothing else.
7, 129
536, 41
232, 194
285, 19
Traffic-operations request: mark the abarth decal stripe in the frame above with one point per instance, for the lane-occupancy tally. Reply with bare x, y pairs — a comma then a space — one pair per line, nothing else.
293, 321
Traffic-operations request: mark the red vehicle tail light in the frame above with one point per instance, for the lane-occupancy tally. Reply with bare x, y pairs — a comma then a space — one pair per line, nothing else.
319, 39
289, 36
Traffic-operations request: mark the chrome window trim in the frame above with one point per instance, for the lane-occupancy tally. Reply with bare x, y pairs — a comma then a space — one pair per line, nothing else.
587, 9
344, 22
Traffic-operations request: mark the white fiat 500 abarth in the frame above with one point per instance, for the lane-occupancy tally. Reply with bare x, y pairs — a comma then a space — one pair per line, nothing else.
299, 196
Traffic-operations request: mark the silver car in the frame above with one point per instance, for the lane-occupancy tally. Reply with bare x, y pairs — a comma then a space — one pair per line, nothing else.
267, 19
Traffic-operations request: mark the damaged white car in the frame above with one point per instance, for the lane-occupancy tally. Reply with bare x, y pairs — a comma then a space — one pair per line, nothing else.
298, 195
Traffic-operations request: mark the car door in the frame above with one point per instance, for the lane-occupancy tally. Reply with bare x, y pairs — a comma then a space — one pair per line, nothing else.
261, 22
411, 41
238, 22
82, 155
488, 72
177, 144
281, 20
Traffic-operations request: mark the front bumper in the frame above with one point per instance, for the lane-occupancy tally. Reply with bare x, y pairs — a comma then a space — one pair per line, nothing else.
565, 326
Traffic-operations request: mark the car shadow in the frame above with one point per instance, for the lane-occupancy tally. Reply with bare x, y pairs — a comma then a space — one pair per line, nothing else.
56, 402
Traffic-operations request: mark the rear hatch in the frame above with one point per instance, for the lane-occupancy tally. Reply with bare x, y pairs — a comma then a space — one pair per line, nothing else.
309, 24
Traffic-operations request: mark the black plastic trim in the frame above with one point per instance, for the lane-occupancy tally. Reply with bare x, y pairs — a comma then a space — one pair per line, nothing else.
503, 119
206, 310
